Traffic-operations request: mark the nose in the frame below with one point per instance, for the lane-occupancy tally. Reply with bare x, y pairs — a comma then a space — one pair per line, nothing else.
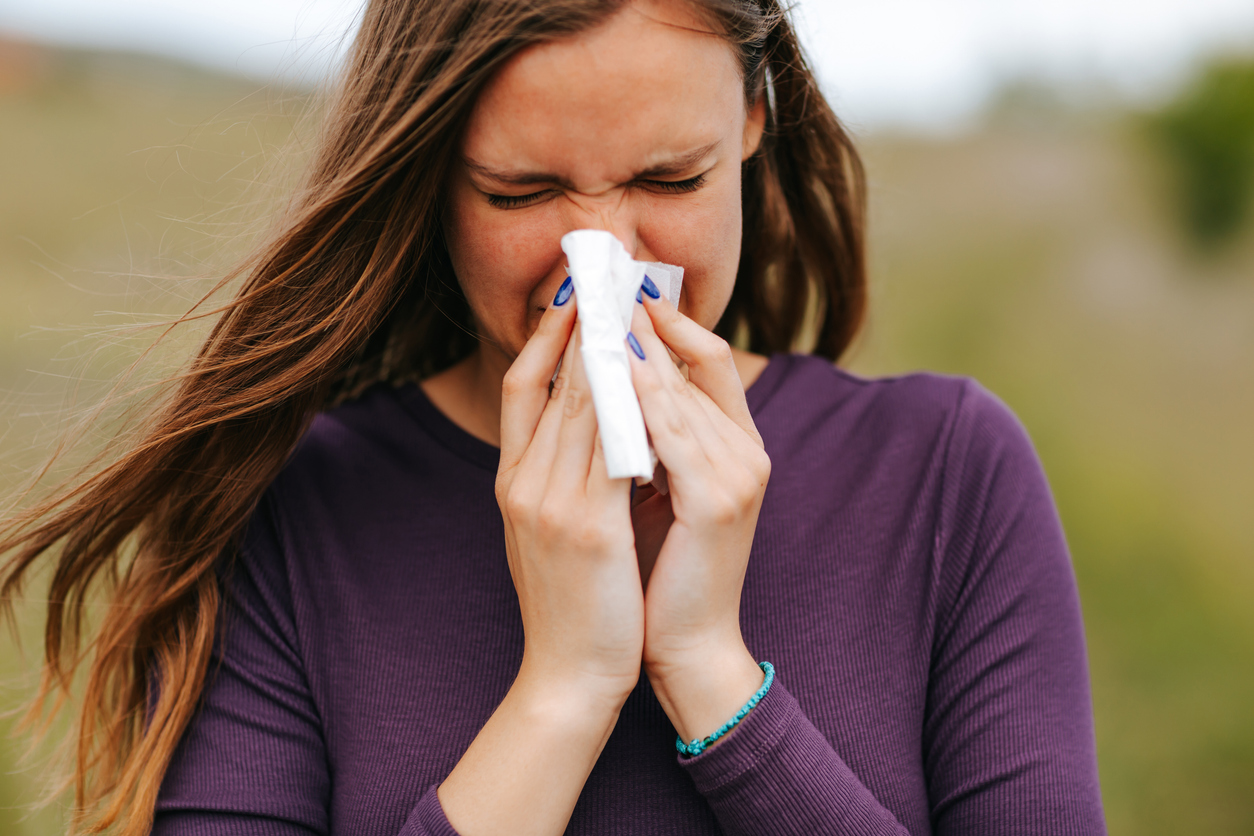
612, 211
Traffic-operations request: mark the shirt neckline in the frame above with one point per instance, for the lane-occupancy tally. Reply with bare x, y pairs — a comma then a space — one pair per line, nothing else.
488, 456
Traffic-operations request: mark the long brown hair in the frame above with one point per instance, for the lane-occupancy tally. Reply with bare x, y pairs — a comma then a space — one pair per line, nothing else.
355, 288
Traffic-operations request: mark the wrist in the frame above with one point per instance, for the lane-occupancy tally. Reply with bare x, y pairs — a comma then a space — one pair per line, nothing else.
588, 700
701, 692
525, 769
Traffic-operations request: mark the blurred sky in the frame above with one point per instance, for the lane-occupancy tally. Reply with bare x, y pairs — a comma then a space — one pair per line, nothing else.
928, 63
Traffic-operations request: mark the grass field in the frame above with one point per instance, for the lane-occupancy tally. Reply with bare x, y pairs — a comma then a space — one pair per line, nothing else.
1039, 254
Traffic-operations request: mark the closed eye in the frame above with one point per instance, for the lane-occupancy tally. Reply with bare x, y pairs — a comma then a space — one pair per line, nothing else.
503, 201
677, 186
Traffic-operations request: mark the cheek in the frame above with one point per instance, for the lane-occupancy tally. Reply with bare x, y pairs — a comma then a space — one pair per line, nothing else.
500, 257
702, 235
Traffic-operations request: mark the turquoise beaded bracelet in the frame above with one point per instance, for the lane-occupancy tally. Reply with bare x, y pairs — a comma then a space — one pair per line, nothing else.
696, 747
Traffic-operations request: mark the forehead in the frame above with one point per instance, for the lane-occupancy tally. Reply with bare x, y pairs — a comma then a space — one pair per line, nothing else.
650, 82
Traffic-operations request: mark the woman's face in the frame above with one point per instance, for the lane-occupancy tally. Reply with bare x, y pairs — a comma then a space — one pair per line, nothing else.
639, 127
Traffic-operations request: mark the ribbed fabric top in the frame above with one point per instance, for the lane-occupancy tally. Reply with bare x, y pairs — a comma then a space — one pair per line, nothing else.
909, 580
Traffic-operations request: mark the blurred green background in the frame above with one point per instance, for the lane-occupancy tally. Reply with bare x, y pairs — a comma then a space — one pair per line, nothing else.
1093, 266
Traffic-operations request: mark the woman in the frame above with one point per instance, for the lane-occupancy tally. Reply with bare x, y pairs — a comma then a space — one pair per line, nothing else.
325, 627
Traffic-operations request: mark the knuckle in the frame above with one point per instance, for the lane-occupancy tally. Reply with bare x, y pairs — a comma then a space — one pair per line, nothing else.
576, 533
738, 493
516, 502
559, 386
675, 425
514, 383
764, 472
747, 489
577, 399
717, 352
549, 519
740, 488
724, 508
759, 464
585, 536
649, 382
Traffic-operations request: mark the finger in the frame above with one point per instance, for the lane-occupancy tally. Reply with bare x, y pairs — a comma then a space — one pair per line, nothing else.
712, 431
600, 485
674, 418
577, 431
706, 454
542, 446
724, 443
525, 389
665, 361
731, 433
679, 384
709, 358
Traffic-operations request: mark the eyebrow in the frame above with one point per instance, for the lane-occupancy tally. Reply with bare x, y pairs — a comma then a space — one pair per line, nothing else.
668, 168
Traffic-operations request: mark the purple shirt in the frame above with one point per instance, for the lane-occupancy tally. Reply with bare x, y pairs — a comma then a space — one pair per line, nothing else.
909, 580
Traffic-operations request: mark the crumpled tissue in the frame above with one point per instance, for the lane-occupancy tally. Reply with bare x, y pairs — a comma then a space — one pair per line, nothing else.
606, 281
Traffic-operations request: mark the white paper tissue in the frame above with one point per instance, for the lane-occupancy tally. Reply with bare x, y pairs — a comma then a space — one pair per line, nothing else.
606, 282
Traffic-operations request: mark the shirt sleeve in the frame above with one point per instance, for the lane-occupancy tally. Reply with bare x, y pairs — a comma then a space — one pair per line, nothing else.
253, 761
776, 774
1007, 737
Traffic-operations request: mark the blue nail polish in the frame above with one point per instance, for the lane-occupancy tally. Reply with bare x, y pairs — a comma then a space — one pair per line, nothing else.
638, 299
635, 345
650, 288
564, 292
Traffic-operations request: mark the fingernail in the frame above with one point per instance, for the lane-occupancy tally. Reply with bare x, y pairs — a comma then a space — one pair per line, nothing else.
635, 345
638, 299
650, 288
563, 292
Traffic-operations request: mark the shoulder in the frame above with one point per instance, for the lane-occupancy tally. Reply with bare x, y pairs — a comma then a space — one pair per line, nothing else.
805, 377
340, 472
808, 399
344, 459
346, 439
928, 444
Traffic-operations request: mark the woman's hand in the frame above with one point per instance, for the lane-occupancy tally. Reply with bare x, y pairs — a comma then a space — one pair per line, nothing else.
568, 540
717, 470
568, 530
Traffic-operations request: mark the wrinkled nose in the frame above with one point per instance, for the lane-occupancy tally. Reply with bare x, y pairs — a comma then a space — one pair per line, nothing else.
613, 212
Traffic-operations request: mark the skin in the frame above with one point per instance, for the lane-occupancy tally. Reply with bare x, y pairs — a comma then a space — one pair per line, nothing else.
583, 133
